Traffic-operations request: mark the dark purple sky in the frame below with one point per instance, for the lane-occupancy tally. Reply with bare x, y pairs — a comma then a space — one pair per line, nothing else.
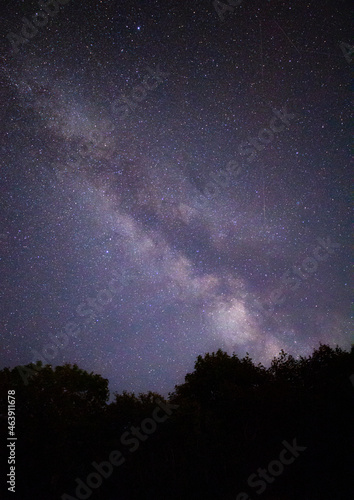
173, 183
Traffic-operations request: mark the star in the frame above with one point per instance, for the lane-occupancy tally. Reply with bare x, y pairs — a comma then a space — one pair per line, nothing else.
163, 196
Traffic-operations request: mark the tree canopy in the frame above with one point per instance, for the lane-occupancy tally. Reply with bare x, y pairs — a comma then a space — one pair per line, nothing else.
230, 417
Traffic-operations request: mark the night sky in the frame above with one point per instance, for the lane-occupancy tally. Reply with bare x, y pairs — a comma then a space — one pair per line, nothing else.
174, 179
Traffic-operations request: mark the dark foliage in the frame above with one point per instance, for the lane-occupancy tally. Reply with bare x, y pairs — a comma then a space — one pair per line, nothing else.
228, 419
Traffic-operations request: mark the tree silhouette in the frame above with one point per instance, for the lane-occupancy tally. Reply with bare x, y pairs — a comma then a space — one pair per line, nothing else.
57, 413
232, 419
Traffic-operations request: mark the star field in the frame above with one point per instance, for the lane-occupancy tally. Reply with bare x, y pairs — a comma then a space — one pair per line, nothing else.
173, 183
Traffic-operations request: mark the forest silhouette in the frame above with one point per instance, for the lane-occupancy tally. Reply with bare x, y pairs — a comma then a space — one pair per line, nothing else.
226, 422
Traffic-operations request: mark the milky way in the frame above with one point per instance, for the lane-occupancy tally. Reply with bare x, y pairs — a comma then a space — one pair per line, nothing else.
174, 180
